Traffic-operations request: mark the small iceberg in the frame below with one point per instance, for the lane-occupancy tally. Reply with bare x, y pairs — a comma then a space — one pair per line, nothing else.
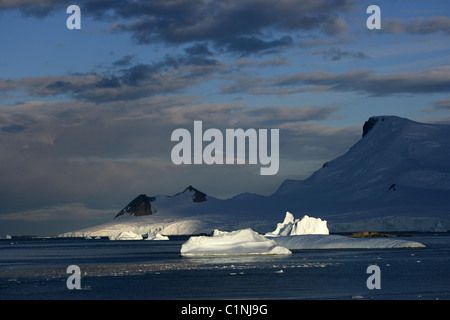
239, 242
125, 235
156, 236
305, 225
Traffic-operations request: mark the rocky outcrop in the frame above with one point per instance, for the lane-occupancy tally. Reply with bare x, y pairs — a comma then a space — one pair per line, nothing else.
369, 124
140, 206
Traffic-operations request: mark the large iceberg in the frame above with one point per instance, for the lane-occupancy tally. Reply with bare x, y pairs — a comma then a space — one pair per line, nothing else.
312, 233
305, 225
239, 242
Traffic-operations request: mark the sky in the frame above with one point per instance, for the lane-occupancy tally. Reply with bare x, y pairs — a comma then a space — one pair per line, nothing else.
86, 115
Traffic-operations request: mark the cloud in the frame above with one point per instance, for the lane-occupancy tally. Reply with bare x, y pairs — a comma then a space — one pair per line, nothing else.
243, 27
442, 104
198, 49
436, 80
245, 46
71, 211
187, 21
418, 26
431, 81
125, 61
245, 62
336, 54
280, 114
171, 74
439, 105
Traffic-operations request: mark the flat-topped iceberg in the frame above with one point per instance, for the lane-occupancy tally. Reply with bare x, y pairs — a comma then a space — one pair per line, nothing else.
319, 241
239, 242
305, 225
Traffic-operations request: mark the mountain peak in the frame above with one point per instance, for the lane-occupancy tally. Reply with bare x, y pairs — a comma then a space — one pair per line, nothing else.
140, 206
195, 194
373, 121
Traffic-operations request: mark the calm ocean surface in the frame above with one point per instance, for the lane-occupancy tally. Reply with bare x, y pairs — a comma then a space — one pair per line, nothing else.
34, 269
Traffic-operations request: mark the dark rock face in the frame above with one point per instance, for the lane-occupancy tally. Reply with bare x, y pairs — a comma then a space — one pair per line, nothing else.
140, 206
369, 124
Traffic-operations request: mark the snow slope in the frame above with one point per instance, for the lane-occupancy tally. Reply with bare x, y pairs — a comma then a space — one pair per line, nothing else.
395, 178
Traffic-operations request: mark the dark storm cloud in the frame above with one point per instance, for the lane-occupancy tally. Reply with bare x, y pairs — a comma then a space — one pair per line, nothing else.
235, 25
238, 26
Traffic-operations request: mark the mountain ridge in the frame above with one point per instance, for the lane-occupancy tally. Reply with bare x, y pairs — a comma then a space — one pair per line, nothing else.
395, 177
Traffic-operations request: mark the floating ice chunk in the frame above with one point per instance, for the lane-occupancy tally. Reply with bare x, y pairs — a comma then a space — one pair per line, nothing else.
306, 225
239, 242
318, 241
157, 236
125, 235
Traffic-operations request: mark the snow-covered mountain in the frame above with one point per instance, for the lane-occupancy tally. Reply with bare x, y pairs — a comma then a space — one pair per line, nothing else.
396, 177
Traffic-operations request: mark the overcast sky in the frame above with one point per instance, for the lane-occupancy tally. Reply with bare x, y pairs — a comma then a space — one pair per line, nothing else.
86, 115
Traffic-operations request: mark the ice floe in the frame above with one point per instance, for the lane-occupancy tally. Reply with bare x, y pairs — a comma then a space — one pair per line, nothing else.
319, 241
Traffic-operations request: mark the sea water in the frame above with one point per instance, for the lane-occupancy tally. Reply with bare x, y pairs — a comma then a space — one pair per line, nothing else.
36, 268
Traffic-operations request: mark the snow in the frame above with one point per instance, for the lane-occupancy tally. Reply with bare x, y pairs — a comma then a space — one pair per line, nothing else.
318, 241
239, 242
306, 225
156, 236
125, 235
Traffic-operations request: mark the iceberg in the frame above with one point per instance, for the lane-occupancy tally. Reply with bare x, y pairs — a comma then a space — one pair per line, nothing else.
305, 225
312, 233
156, 236
125, 235
239, 242
319, 241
